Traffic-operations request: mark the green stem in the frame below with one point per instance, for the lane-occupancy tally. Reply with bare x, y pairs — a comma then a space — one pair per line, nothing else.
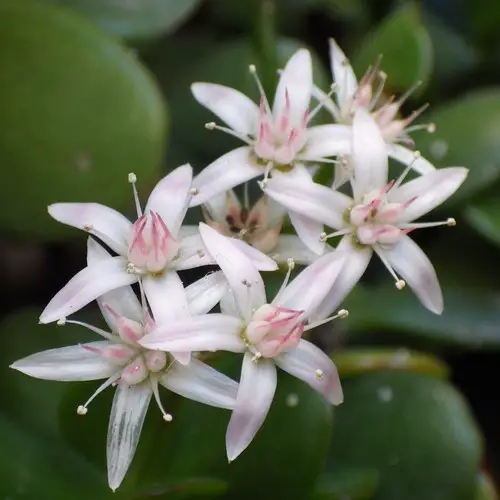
265, 44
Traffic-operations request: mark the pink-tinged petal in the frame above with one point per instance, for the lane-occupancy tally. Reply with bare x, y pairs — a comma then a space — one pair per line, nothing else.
255, 395
291, 247
166, 297
107, 224
206, 332
90, 283
203, 295
259, 260
221, 205
310, 199
244, 279
192, 253
130, 405
68, 364
311, 365
407, 156
355, 264
230, 170
343, 75
123, 301
416, 269
170, 197
309, 231
296, 81
201, 383
327, 140
369, 155
428, 191
313, 284
230, 105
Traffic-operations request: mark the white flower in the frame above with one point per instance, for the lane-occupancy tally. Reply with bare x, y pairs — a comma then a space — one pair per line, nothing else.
268, 333
148, 250
351, 96
133, 369
278, 139
377, 217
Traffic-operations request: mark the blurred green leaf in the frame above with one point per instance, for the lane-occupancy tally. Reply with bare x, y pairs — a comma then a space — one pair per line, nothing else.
344, 483
468, 134
485, 487
404, 43
188, 489
416, 430
135, 20
484, 216
78, 114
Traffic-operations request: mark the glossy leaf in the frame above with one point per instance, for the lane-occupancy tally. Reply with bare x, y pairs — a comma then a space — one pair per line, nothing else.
484, 216
355, 484
79, 113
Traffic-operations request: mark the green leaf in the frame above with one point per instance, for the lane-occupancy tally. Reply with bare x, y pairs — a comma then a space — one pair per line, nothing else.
136, 20
192, 488
354, 484
416, 430
78, 114
466, 134
484, 216
405, 46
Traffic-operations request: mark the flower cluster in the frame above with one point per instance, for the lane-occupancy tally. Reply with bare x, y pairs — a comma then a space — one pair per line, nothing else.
158, 337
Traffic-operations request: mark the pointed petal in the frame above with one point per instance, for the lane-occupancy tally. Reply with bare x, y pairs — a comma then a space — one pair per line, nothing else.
205, 332
309, 231
355, 264
107, 224
130, 405
201, 383
416, 269
244, 279
192, 253
255, 395
429, 191
311, 365
296, 79
67, 364
310, 287
166, 297
259, 260
170, 197
343, 75
291, 246
203, 295
327, 140
230, 170
310, 199
230, 105
369, 155
90, 283
407, 156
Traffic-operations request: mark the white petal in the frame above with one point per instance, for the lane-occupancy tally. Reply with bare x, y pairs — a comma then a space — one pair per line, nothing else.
310, 364
311, 286
244, 279
416, 269
201, 383
186, 231
130, 405
166, 297
230, 170
90, 283
327, 140
67, 364
228, 304
407, 156
203, 295
343, 75
326, 101
291, 246
205, 332
217, 206
259, 260
230, 105
430, 191
170, 197
369, 155
107, 224
192, 253
296, 79
255, 395
355, 264
310, 199
309, 231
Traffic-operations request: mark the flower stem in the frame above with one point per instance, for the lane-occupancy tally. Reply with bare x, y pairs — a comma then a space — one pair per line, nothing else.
265, 44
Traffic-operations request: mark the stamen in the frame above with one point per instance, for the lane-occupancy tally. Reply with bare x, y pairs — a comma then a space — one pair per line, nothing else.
420, 225
194, 191
132, 178
263, 183
322, 102
342, 314
61, 322
214, 126
154, 386
256, 357
400, 284
82, 409
99, 331
253, 72
401, 178
319, 374
429, 127
246, 196
403, 98
320, 160
323, 237
291, 264
382, 77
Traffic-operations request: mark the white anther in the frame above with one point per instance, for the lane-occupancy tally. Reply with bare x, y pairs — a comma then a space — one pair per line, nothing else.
417, 154
88, 227
194, 191
132, 178
451, 222
400, 284
323, 237
343, 313
61, 322
256, 357
210, 125
319, 374
431, 128
167, 417
290, 263
252, 68
82, 410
